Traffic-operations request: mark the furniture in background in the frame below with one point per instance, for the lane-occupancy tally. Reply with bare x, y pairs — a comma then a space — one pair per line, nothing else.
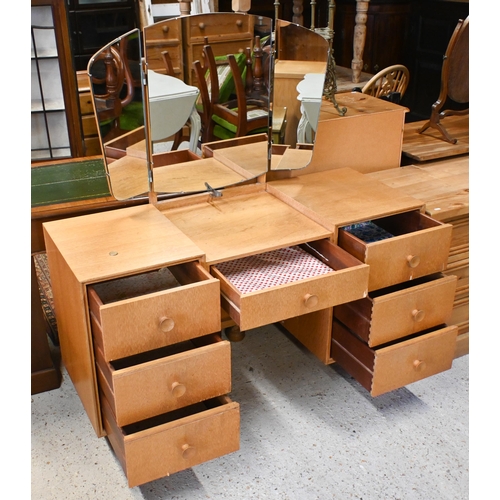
55, 126
454, 82
172, 104
390, 83
310, 91
94, 23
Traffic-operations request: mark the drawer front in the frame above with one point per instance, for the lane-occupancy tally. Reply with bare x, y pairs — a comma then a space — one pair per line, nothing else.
220, 27
346, 281
144, 322
160, 448
162, 36
420, 246
86, 106
396, 365
165, 383
89, 125
400, 311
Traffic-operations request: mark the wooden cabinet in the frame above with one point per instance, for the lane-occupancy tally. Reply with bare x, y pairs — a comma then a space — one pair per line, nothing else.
404, 249
55, 125
144, 351
94, 23
139, 293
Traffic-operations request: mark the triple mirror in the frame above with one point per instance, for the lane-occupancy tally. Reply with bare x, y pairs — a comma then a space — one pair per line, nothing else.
219, 80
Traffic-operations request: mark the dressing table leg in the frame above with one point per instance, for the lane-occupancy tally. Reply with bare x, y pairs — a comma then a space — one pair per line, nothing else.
234, 334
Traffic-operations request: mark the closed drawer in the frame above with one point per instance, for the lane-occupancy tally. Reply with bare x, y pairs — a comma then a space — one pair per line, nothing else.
162, 36
398, 248
390, 366
390, 313
289, 282
149, 384
174, 441
89, 125
143, 312
220, 27
86, 105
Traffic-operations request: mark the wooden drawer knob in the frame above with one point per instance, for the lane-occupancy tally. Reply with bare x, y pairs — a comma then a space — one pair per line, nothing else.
418, 315
188, 451
165, 29
418, 364
310, 300
413, 260
178, 389
239, 23
201, 26
166, 324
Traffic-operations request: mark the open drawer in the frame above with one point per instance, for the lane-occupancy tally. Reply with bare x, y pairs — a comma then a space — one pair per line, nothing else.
401, 310
163, 380
143, 312
394, 365
174, 441
281, 284
399, 247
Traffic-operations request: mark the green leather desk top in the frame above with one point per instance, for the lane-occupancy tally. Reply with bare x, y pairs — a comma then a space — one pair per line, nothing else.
68, 182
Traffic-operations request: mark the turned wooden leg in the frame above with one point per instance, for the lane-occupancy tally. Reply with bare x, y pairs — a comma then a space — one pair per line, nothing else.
359, 39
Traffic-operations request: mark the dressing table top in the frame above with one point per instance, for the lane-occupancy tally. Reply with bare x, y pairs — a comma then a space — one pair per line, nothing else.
335, 198
244, 221
118, 242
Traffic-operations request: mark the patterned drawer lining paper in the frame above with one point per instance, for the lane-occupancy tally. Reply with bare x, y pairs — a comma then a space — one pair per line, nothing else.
270, 269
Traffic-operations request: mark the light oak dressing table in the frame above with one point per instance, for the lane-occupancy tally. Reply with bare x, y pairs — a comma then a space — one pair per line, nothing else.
141, 294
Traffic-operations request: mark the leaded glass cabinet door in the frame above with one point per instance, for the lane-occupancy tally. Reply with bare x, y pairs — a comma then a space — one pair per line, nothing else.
55, 121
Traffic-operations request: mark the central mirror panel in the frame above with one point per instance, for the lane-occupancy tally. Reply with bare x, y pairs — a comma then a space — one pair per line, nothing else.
208, 82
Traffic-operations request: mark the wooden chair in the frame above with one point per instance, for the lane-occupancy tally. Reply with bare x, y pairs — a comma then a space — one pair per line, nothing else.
390, 83
454, 81
248, 111
182, 135
114, 90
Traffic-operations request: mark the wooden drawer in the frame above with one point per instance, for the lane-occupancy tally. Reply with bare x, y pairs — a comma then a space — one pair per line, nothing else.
174, 441
401, 310
151, 310
270, 298
163, 380
219, 27
86, 106
162, 36
390, 366
412, 244
89, 125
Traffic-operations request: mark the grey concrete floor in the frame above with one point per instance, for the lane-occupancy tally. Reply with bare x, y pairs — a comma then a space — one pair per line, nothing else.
308, 432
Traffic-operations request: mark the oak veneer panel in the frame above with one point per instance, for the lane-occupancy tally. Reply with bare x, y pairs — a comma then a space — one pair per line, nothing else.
394, 365
420, 246
165, 380
343, 196
314, 331
77, 353
346, 281
244, 221
166, 315
400, 311
88, 243
162, 446
368, 138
